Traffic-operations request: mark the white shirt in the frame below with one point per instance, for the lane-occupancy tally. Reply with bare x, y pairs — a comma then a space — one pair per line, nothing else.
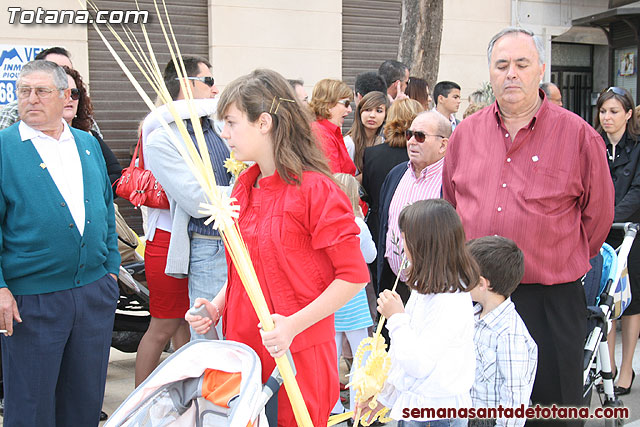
367, 246
432, 354
61, 159
451, 118
351, 146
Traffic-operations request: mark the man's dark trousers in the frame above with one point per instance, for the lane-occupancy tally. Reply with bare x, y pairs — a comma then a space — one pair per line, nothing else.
556, 317
58, 356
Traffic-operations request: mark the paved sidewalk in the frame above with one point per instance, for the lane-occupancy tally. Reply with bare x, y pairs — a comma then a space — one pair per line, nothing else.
121, 369
120, 378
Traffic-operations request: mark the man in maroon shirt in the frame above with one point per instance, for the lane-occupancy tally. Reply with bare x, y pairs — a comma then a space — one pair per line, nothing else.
536, 173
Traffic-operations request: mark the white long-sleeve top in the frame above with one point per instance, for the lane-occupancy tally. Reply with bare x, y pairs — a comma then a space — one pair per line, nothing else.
432, 354
367, 246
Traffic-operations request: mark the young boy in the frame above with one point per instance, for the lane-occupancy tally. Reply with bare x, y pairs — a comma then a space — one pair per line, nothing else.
506, 355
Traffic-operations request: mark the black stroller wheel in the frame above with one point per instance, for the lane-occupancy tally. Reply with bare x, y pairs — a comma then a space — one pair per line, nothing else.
614, 422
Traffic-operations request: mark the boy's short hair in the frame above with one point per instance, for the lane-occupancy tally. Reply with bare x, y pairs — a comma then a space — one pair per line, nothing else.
444, 88
501, 262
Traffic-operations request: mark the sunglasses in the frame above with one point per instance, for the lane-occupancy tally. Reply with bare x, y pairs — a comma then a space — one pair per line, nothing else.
419, 136
206, 80
616, 90
345, 102
75, 94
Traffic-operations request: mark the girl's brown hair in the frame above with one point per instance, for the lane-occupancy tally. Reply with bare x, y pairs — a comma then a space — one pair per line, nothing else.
294, 147
624, 97
326, 94
399, 118
358, 134
84, 117
435, 240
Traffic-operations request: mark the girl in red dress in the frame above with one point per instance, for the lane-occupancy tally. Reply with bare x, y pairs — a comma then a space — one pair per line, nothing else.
301, 235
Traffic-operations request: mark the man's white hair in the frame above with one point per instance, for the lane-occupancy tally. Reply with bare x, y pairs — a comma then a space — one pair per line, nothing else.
513, 30
40, 65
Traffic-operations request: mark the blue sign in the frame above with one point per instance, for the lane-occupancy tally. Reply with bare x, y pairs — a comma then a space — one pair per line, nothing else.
12, 58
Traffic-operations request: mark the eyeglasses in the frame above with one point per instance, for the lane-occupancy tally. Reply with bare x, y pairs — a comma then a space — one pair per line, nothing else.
75, 94
24, 92
420, 136
206, 80
345, 102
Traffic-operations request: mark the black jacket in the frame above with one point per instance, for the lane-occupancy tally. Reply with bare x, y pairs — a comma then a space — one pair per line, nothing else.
377, 163
625, 172
386, 195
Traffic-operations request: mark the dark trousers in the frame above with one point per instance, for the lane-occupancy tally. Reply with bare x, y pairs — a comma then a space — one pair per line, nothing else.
556, 317
55, 363
387, 280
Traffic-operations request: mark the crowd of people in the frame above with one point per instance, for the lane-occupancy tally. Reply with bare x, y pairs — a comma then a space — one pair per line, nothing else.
486, 225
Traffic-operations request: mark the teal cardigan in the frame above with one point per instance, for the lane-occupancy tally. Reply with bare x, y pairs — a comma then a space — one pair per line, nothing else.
42, 250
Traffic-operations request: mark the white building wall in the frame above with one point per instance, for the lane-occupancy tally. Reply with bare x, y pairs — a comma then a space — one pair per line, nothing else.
467, 28
72, 37
299, 39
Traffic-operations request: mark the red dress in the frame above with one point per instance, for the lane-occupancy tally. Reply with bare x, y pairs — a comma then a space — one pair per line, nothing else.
300, 239
333, 147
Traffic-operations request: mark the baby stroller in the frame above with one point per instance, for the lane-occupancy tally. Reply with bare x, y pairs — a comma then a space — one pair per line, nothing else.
607, 292
204, 383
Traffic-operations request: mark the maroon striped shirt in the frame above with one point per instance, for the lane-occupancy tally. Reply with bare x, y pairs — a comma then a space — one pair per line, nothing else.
549, 190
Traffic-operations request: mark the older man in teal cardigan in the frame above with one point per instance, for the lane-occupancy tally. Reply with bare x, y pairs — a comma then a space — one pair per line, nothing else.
58, 260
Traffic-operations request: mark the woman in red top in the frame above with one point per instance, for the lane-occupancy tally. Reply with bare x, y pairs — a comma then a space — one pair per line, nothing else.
331, 103
301, 235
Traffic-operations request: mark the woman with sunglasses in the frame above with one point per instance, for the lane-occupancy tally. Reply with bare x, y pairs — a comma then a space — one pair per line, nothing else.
366, 130
331, 103
78, 113
617, 123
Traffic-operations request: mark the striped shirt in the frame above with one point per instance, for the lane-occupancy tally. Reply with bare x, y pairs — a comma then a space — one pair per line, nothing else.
410, 189
549, 190
506, 360
218, 153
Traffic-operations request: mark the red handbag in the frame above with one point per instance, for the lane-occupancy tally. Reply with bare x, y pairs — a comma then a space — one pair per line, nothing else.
139, 186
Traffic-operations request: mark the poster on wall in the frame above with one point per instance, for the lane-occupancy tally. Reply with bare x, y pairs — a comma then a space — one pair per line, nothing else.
12, 58
627, 66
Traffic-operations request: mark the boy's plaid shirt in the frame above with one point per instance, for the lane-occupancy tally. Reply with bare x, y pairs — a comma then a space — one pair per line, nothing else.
506, 360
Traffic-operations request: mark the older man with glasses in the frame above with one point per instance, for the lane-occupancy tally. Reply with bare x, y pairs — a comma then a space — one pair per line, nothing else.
61, 56
58, 289
418, 179
536, 173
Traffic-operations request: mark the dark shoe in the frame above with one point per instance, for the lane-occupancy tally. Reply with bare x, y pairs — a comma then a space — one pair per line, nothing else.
103, 416
621, 391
